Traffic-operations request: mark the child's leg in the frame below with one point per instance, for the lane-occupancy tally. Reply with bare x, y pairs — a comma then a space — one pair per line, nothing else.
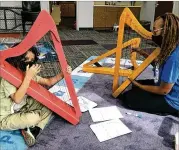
44, 112
30, 134
32, 114
20, 120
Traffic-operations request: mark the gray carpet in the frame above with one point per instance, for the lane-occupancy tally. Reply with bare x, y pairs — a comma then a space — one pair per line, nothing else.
151, 132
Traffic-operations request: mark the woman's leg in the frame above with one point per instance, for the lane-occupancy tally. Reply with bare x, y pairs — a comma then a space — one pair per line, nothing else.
141, 100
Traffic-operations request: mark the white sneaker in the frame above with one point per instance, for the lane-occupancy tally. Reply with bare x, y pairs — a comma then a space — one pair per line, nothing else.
28, 137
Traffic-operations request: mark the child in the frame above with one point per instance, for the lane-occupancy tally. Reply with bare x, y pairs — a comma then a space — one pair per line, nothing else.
18, 110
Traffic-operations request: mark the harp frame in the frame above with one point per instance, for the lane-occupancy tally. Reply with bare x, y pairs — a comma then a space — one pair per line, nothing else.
128, 18
43, 24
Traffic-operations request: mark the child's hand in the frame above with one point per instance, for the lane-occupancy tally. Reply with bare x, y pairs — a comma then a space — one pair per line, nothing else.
69, 69
32, 71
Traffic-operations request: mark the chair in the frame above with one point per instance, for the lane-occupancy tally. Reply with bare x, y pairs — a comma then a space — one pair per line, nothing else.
29, 13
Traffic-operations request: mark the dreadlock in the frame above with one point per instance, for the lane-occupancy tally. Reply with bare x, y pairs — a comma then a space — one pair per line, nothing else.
170, 36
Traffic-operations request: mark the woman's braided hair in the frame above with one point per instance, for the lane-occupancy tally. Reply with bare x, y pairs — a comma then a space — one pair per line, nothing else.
170, 36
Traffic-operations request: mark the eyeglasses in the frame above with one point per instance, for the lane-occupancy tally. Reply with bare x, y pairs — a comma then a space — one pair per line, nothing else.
157, 29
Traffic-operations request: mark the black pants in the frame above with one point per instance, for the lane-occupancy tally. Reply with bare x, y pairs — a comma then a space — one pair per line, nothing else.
138, 99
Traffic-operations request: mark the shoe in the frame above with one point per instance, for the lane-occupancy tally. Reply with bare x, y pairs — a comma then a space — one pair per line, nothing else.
30, 135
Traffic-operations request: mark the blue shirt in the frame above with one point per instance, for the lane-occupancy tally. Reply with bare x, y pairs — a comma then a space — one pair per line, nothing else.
169, 73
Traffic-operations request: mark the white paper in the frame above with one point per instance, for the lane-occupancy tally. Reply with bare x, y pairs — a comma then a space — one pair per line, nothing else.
105, 113
85, 104
109, 129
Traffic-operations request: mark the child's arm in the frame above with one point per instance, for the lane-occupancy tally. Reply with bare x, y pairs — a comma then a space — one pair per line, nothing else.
51, 81
20, 93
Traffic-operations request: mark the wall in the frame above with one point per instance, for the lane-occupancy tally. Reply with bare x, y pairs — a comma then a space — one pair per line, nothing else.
148, 12
11, 4
45, 5
11, 24
176, 8
99, 3
122, 3
84, 14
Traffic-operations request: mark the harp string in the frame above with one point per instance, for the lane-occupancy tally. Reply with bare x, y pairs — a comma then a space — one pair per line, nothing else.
61, 85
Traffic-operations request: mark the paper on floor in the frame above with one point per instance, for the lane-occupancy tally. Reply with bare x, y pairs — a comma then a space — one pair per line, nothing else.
109, 129
105, 113
85, 104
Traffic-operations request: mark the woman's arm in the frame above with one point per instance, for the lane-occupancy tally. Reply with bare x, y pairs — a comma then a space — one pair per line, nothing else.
21, 91
143, 53
162, 89
140, 51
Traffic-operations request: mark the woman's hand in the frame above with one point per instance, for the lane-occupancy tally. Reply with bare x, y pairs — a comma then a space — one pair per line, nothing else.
135, 49
136, 83
32, 71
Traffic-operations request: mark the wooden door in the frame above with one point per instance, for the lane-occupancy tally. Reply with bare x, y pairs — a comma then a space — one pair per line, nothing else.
111, 16
162, 7
120, 10
64, 10
99, 17
72, 10
136, 11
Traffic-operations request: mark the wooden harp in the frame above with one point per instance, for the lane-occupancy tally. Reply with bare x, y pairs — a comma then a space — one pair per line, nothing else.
129, 19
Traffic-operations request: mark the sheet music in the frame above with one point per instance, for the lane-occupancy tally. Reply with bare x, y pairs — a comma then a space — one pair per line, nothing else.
105, 113
84, 103
109, 129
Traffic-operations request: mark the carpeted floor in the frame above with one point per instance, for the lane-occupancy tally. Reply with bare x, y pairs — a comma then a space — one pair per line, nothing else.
151, 132
77, 42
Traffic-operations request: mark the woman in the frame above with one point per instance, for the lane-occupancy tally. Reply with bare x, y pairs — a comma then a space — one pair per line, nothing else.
19, 111
162, 97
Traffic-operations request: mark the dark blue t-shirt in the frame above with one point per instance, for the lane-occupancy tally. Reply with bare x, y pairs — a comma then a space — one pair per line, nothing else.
169, 73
